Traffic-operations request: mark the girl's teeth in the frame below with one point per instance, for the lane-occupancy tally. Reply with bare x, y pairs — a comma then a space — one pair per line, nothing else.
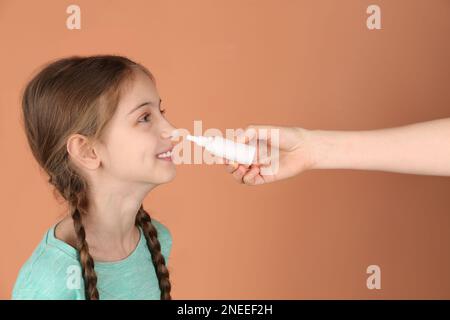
165, 154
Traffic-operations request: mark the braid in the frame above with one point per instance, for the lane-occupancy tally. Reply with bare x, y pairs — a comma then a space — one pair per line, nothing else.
87, 263
151, 236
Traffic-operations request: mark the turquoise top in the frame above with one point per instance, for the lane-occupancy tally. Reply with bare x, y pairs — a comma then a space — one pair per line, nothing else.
54, 272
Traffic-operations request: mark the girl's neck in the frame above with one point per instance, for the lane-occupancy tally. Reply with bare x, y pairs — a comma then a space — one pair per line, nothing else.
105, 244
110, 222
111, 238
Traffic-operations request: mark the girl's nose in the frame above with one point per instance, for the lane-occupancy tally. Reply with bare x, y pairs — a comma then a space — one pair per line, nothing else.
168, 132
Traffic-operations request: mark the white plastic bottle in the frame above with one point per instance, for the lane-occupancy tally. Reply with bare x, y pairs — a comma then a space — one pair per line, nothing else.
225, 148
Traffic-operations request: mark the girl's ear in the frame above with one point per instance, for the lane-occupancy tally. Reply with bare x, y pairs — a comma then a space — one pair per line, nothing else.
82, 152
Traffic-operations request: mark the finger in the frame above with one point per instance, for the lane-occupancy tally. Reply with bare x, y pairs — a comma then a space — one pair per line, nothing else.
264, 161
258, 180
246, 166
249, 177
247, 135
239, 173
232, 167
254, 131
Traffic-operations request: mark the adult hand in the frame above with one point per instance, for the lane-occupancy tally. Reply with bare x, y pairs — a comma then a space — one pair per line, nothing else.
292, 154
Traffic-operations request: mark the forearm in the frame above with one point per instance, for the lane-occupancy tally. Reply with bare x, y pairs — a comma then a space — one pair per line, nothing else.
420, 148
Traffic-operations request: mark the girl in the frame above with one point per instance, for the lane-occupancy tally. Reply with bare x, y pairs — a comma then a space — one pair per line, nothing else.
94, 124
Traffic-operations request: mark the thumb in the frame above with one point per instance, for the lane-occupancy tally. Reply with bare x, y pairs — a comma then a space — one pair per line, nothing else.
269, 133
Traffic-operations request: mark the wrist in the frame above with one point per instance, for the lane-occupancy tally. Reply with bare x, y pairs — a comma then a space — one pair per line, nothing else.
320, 145
307, 148
338, 149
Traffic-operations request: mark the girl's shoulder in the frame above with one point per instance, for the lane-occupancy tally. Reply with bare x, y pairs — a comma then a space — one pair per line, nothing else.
51, 272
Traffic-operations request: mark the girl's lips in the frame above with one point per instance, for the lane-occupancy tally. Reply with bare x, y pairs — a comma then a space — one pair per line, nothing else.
166, 159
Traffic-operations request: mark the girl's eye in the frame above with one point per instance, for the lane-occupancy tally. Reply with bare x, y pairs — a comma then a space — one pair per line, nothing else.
146, 115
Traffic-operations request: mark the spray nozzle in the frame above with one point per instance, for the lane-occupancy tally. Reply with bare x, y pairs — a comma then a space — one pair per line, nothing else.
225, 148
200, 140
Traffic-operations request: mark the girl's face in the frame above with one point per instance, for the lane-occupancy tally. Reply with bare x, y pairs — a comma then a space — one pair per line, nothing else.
137, 133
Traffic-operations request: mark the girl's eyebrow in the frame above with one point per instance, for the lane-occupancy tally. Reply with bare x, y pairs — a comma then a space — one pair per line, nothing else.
144, 104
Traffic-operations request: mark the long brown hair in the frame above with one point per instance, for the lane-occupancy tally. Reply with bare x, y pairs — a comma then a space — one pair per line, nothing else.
80, 95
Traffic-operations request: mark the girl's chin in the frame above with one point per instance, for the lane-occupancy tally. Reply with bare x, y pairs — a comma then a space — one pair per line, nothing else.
165, 176
171, 176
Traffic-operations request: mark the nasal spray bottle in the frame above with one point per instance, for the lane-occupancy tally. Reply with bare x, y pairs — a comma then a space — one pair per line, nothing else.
225, 148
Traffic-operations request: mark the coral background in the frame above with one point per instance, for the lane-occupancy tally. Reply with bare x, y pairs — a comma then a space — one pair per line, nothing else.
231, 63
